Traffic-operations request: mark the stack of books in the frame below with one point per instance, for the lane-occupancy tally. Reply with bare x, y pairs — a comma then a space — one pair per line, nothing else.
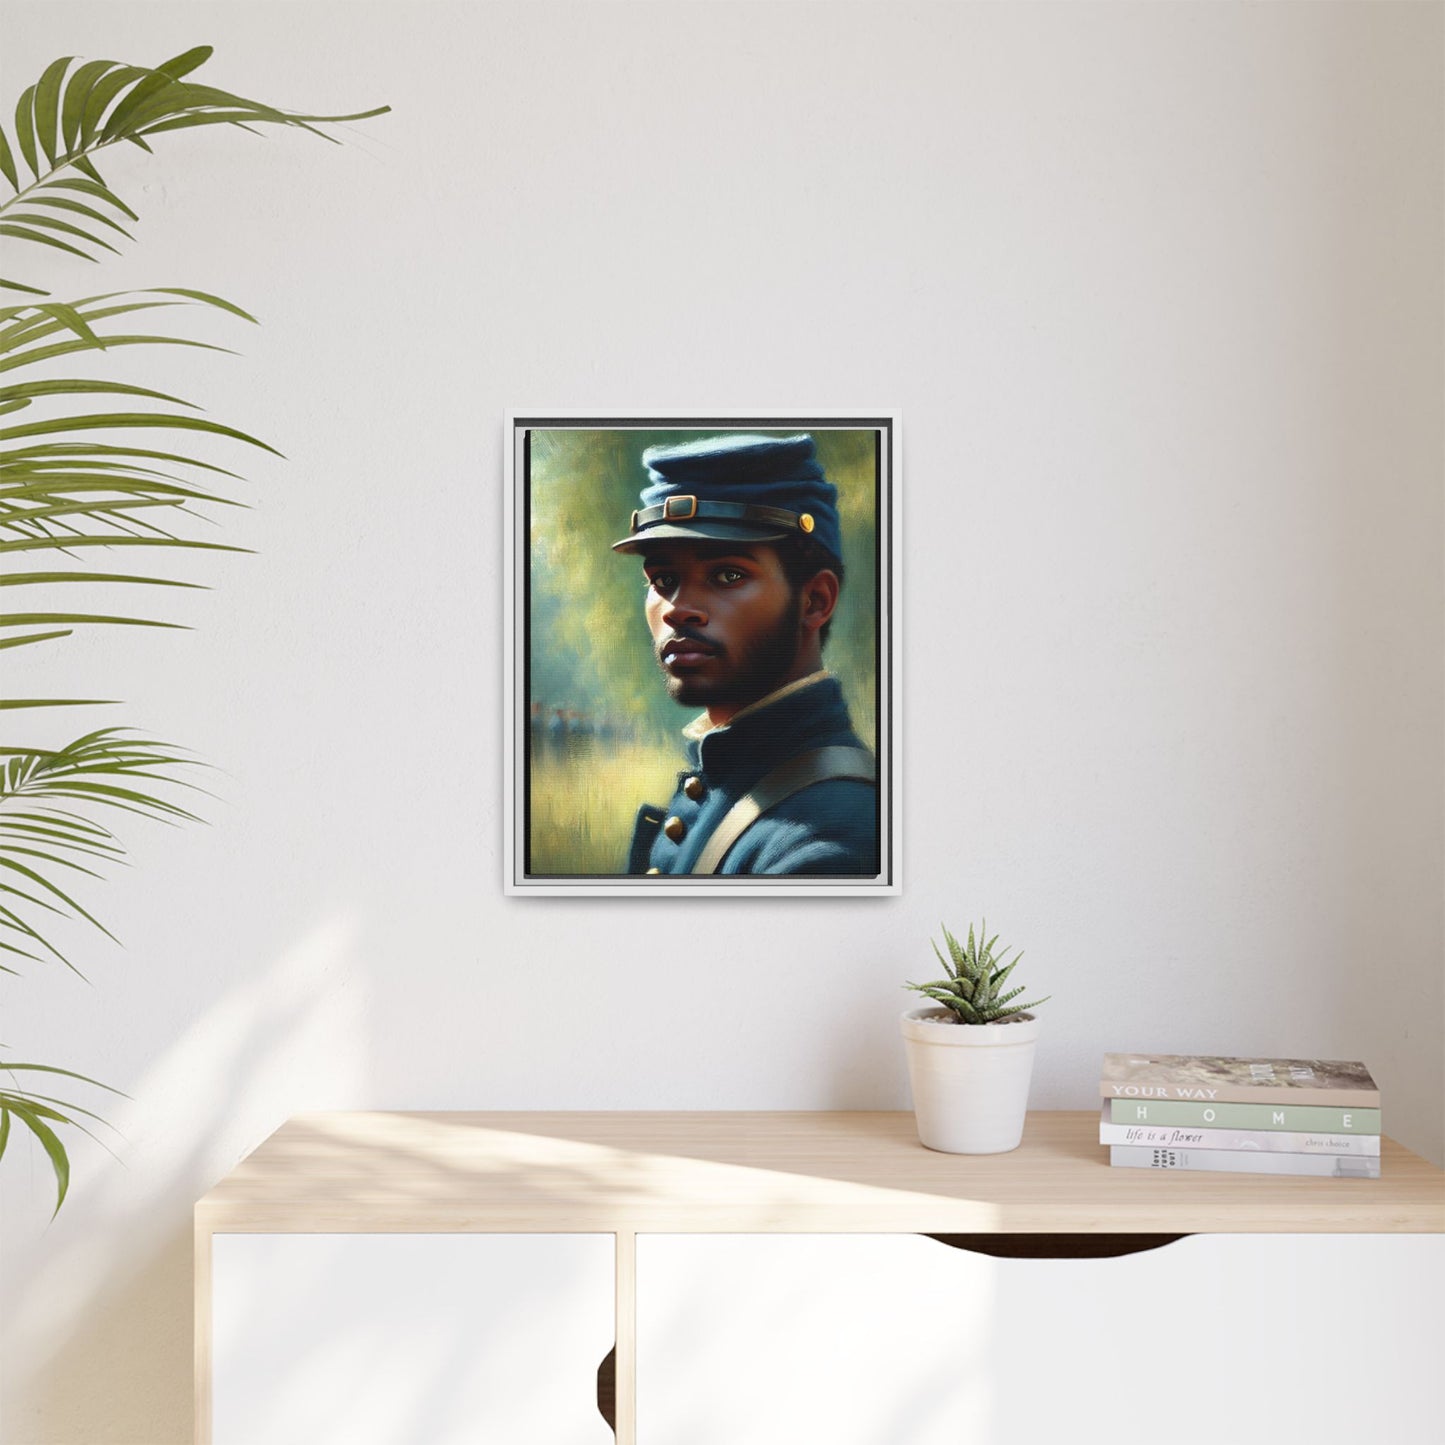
1245, 1116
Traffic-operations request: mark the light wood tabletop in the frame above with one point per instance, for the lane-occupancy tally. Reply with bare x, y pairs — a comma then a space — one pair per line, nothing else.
750, 1172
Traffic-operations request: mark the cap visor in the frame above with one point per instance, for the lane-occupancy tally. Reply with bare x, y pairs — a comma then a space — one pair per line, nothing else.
697, 532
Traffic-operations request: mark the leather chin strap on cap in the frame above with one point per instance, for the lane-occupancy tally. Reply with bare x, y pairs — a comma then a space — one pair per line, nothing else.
819, 766
688, 508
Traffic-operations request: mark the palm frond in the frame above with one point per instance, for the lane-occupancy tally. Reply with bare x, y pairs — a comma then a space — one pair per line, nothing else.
62, 490
74, 111
110, 768
41, 1113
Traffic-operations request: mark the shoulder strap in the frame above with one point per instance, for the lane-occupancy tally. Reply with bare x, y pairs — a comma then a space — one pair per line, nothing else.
819, 766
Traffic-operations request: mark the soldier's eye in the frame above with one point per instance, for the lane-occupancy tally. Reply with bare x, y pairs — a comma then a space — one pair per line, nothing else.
730, 576
662, 582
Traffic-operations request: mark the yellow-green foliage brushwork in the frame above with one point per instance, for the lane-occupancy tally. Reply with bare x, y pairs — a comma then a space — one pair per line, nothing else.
603, 736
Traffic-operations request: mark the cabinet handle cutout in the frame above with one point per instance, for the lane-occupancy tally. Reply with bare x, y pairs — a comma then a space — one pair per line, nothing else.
607, 1389
1056, 1246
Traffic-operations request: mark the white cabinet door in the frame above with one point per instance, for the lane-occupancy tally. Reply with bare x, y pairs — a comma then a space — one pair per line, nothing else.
399, 1339
900, 1340
823, 1339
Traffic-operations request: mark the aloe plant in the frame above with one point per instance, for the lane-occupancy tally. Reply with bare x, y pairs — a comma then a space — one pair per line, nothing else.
74, 483
973, 989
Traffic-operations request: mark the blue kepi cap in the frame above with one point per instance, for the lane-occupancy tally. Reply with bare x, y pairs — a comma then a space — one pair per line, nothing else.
736, 488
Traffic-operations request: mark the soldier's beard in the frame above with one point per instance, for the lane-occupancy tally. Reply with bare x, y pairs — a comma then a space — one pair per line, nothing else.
744, 676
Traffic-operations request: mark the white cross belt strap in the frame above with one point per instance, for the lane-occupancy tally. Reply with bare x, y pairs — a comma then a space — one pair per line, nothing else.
822, 765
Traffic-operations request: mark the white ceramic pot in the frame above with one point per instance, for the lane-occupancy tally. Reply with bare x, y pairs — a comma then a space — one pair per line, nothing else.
970, 1081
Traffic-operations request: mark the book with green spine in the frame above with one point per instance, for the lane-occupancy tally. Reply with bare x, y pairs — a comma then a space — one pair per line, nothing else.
1225, 1136
1313, 1118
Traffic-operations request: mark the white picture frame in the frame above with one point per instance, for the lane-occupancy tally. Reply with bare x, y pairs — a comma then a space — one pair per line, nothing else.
538, 730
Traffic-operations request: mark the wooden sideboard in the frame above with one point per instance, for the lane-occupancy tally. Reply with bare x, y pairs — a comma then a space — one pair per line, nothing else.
626, 1175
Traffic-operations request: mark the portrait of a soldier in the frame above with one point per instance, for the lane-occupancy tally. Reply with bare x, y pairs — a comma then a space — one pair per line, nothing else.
740, 545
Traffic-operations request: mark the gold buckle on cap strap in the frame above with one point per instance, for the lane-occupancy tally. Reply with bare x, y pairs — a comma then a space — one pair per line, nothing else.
671, 510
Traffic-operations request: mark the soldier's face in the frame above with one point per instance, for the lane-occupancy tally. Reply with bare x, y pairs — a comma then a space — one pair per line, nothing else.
724, 618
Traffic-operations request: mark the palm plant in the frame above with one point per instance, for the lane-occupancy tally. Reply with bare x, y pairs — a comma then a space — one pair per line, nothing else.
75, 485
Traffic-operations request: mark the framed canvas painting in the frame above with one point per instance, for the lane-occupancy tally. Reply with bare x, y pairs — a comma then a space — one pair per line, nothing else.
702, 689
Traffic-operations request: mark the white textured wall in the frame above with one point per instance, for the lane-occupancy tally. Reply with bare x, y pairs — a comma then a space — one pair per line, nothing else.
1158, 292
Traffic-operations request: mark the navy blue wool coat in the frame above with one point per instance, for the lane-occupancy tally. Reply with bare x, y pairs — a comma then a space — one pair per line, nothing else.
828, 829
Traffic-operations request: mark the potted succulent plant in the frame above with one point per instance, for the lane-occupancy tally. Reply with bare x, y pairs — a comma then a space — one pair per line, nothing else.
971, 1057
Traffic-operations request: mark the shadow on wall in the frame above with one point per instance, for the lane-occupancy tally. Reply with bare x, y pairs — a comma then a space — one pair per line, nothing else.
864, 1063
97, 1346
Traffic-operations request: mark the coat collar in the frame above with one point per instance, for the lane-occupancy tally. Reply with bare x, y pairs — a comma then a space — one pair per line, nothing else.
701, 725
804, 714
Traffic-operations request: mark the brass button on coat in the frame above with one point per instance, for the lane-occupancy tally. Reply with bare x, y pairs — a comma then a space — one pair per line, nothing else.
694, 788
674, 828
